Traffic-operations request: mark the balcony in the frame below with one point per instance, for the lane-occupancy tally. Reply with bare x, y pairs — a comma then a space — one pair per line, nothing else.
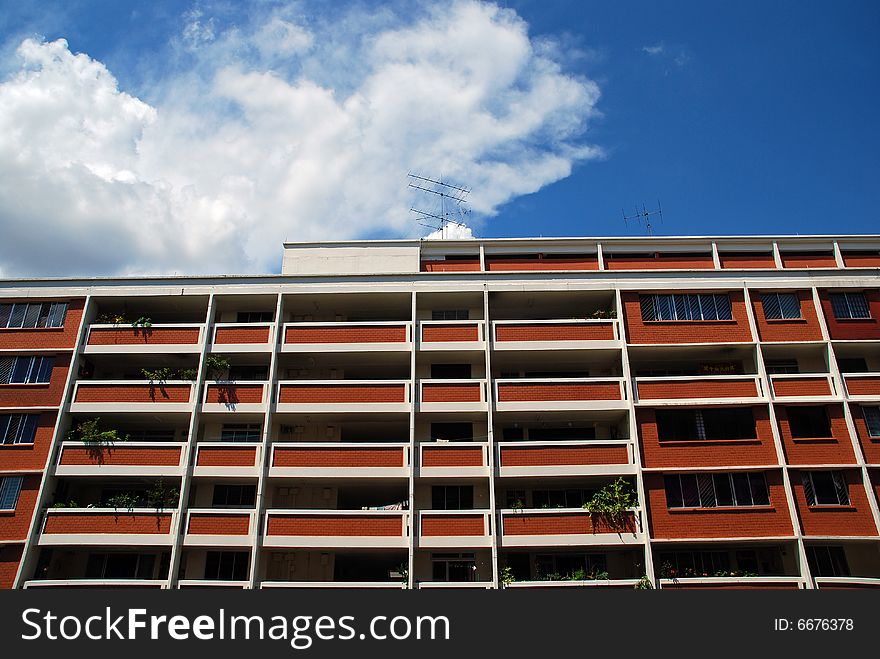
131, 396
127, 459
337, 459
541, 394
336, 528
454, 459
207, 583
220, 528
802, 385
348, 337
456, 585
159, 338
227, 459
554, 334
449, 395
733, 583
586, 583
546, 527
344, 396
699, 389
863, 386
454, 528
848, 583
95, 583
565, 458
242, 337
235, 396
106, 526
388, 585
452, 335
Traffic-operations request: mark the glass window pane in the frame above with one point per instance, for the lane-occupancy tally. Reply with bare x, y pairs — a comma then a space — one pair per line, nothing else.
10, 486
722, 307
646, 302
21, 370
823, 487
741, 489
707, 490
5, 312
680, 305
770, 304
665, 310
790, 306
17, 316
760, 495
723, 491
673, 491
689, 491
839, 307
840, 487
708, 305
872, 420
6, 365
32, 315
858, 305
809, 492
45, 370
6, 436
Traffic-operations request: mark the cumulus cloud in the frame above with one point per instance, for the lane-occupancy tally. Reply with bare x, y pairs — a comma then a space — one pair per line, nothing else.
267, 137
452, 231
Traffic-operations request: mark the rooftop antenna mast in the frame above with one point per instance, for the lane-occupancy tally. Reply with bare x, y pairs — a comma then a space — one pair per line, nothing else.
451, 200
643, 217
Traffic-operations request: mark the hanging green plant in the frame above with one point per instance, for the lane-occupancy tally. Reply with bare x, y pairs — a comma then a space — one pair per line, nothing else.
89, 432
612, 504
216, 365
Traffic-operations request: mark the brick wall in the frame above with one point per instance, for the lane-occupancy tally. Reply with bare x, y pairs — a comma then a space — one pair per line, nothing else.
119, 522
292, 456
108, 336
538, 456
803, 386
852, 520
456, 265
835, 450
684, 585
451, 332
863, 328
697, 388
335, 525
132, 393
342, 393
496, 263
45, 337
732, 260
215, 456
14, 525
218, 524
230, 394
231, 335
555, 332
807, 260
452, 393
10, 555
24, 457
523, 392
862, 386
349, 334
870, 445
465, 456
764, 521
151, 456
707, 453
686, 331
803, 329
453, 525
857, 260
562, 523
659, 262
38, 395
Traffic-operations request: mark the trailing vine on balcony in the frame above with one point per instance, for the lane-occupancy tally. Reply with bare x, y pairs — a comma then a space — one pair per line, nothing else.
612, 504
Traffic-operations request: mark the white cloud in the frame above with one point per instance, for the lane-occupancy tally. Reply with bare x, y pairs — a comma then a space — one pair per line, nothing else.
266, 138
451, 231
657, 49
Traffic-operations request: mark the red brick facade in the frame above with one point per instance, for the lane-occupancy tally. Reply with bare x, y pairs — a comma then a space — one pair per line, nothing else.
41, 338
669, 261
746, 261
218, 524
853, 520
557, 391
852, 329
817, 450
555, 332
117, 522
698, 388
805, 328
454, 265
241, 335
30, 457
686, 331
450, 332
461, 392
861, 260
295, 456
496, 263
38, 395
870, 445
561, 523
348, 334
14, 524
453, 525
444, 456
335, 525
802, 386
132, 393
862, 386
342, 393
148, 456
540, 456
231, 394
807, 260
108, 336
231, 456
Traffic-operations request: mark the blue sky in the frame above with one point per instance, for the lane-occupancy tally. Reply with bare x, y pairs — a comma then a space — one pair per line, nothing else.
195, 137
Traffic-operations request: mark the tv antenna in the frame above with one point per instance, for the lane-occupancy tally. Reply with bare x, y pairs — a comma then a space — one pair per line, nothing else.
643, 217
450, 203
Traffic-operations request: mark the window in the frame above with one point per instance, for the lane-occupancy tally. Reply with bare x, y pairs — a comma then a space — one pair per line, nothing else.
686, 307
227, 565
234, 496
450, 314
722, 423
454, 567
18, 428
10, 486
825, 488
560, 566
827, 561
26, 370
251, 373
872, 420
241, 432
455, 432
571, 498
450, 371
781, 306
141, 435
515, 499
452, 497
694, 563
120, 566
852, 364
45, 314
716, 490
849, 305
809, 421
255, 317
782, 366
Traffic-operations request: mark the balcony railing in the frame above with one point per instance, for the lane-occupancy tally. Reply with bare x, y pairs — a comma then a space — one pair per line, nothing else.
223, 396
454, 459
227, 459
123, 459
242, 337
336, 528
452, 335
394, 585
95, 583
456, 585
340, 459
449, 395
343, 396
553, 334
566, 527
131, 396
211, 583
803, 385
565, 458
862, 386
699, 388
455, 528
586, 583
540, 394
734, 583
163, 337
107, 526
847, 582
219, 527
347, 337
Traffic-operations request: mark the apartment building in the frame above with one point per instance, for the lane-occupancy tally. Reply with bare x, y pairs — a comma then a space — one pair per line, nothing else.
446, 414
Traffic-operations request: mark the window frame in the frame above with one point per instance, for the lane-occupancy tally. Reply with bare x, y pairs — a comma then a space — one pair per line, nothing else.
839, 484
25, 429
845, 298
875, 410
681, 307
33, 367
773, 300
707, 487
33, 315
8, 485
